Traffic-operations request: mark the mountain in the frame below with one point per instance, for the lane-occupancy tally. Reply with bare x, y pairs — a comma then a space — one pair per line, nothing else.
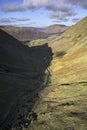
26, 34
71, 51
54, 29
62, 105
45, 87
23, 33
22, 70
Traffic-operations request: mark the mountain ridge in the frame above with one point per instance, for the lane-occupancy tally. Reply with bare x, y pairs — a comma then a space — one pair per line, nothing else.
55, 28
62, 104
24, 33
33, 33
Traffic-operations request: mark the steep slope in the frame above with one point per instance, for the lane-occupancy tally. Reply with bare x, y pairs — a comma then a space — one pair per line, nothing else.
22, 70
70, 52
24, 34
56, 28
63, 104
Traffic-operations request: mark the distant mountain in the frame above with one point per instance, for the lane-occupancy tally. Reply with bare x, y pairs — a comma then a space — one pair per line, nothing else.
24, 33
53, 29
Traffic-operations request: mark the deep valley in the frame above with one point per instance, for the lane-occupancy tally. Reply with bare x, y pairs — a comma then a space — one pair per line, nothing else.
43, 84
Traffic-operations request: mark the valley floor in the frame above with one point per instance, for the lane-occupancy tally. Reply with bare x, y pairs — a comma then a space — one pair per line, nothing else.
58, 107
61, 107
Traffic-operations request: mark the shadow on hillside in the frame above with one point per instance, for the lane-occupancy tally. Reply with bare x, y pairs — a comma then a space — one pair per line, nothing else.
22, 75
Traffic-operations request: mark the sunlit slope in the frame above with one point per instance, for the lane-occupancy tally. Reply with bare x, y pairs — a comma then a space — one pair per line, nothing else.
73, 35
70, 54
62, 104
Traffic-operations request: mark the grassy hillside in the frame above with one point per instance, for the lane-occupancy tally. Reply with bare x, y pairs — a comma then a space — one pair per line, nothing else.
63, 104
70, 53
37, 42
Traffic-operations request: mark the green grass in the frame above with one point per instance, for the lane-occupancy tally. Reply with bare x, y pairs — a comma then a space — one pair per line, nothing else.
62, 107
62, 104
38, 42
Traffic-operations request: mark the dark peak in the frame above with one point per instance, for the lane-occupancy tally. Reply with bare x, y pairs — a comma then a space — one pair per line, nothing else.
61, 25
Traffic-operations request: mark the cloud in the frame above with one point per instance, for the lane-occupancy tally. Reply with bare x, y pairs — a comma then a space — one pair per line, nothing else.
62, 16
74, 20
58, 17
14, 7
20, 19
27, 4
59, 10
81, 3
29, 24
9, 21
5, 20
53, 5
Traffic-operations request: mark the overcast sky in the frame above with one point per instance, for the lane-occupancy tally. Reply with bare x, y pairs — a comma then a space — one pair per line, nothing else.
41, 13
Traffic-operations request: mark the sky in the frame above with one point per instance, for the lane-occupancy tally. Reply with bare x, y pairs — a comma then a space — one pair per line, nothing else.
41, 13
